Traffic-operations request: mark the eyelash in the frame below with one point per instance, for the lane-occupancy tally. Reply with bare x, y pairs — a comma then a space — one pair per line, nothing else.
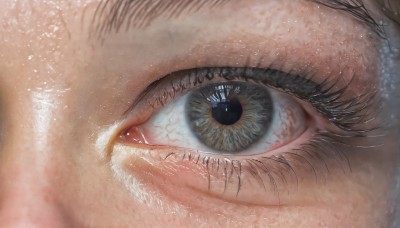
324, 150
347, 114
318, 155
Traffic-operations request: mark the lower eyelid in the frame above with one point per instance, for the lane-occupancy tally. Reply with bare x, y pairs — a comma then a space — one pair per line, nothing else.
279, 182
190, 179
257, 180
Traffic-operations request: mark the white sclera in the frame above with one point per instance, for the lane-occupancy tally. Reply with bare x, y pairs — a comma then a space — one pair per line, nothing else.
170, 127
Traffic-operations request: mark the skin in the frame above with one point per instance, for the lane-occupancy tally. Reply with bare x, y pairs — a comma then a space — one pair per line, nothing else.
63, 95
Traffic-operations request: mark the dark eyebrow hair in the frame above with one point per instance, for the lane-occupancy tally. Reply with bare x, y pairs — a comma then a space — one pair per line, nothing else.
112, 15
115, 15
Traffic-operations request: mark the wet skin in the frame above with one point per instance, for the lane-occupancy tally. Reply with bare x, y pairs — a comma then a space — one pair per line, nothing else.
66, 85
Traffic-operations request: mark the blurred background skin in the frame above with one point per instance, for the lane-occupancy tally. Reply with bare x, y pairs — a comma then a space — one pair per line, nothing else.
62, 95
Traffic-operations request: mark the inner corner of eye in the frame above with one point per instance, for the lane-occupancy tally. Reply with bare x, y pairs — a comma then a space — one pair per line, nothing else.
134, 135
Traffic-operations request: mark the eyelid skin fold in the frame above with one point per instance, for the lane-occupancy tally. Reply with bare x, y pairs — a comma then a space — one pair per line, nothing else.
327, 97
296, 176
240, 179
285, 40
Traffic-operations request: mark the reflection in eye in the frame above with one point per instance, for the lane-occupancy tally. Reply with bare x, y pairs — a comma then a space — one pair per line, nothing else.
250, 122
226, 117
231, 116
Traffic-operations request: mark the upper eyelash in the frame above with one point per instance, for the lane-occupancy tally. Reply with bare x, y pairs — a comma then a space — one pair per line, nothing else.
349, 115
323, 149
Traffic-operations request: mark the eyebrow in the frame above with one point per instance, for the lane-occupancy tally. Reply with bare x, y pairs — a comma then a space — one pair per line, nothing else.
116, 15
113, 15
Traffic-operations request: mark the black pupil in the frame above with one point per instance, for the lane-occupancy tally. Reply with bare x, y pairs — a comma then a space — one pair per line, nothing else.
228, 112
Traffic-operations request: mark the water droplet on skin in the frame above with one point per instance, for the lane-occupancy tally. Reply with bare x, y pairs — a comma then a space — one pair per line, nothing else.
30, 57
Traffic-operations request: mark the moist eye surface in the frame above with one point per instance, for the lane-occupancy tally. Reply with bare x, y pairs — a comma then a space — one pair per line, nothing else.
231, 116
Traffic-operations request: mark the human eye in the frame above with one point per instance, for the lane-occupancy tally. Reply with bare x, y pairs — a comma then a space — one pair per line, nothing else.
248, 114
239, 131
219, 115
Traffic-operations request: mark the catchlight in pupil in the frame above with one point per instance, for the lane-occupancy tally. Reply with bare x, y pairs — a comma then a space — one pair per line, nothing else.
227, 112
229, 116
222, 117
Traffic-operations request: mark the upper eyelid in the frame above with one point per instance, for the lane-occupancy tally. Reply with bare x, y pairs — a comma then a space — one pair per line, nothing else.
346, 113
115, 15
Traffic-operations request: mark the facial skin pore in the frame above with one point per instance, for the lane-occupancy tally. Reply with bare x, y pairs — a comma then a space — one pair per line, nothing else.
65, 92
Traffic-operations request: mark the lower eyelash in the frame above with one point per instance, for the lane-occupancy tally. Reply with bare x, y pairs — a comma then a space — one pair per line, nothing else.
315, 159
322, 154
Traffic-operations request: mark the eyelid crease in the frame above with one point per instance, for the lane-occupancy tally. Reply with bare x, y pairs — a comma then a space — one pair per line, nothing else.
350, 114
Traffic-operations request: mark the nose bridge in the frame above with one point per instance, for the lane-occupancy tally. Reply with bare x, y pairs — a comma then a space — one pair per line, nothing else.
27, 196
34, 48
